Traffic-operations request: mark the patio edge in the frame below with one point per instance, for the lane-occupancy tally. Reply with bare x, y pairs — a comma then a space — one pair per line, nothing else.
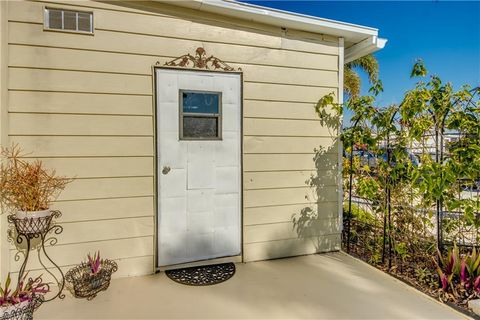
409, 287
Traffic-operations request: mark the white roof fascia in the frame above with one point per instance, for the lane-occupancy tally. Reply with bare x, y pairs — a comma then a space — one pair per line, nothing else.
366, 38
364, 47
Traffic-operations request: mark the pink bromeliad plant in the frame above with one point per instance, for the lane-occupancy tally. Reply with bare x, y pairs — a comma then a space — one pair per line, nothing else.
95, 263
25, 291
459, 275
447, 268
470, 271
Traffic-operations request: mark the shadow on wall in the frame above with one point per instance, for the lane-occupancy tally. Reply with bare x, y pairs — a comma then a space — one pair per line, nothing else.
319, 222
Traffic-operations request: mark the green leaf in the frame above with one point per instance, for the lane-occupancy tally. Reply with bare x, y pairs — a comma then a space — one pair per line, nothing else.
418, 70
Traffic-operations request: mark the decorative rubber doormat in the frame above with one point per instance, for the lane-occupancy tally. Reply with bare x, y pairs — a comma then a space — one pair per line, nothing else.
204, 275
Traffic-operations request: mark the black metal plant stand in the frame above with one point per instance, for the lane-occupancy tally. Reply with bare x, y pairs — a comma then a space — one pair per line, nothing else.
44, 229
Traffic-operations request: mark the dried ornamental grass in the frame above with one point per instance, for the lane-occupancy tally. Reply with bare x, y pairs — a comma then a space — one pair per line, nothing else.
27, 186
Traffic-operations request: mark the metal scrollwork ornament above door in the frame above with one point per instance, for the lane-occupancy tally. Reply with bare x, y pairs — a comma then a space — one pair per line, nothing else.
200, 61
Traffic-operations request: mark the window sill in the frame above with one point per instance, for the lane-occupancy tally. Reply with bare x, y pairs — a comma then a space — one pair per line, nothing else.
85, 33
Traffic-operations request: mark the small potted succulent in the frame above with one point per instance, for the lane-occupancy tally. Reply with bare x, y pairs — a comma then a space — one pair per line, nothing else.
28, 188
91, 276
21, 302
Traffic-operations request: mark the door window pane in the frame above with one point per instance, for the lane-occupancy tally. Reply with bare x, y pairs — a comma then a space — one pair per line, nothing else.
200, 115
200, 102
199, 127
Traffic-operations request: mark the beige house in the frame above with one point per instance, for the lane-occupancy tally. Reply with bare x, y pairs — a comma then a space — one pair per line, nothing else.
180, 155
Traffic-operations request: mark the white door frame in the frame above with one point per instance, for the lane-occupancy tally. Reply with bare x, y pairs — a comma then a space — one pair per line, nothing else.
157, 176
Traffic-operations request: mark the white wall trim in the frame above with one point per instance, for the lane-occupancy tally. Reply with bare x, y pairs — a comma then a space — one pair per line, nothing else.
4, 244
341, 63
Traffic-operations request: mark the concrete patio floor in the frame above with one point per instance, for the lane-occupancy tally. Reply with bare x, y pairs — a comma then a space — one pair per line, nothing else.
326, 286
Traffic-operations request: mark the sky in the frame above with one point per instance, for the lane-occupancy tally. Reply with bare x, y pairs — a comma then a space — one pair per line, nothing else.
445, 35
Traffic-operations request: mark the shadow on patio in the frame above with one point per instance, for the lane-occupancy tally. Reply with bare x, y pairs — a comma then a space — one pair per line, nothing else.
327, 286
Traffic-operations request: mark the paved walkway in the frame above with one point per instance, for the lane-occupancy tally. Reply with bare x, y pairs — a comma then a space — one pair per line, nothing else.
328, 286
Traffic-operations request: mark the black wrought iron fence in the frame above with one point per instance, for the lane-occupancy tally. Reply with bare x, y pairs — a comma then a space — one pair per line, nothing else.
401, 224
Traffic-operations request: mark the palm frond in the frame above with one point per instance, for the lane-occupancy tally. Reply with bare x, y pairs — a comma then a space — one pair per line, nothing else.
351, 83
367, 64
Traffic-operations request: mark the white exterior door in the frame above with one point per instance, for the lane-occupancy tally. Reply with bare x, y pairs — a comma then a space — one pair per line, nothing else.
199, 165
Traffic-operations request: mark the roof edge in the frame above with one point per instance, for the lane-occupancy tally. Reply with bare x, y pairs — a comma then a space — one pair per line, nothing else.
363, 40
279, 18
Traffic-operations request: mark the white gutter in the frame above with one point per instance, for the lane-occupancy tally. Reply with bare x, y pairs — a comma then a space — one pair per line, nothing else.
367, 46
359, 40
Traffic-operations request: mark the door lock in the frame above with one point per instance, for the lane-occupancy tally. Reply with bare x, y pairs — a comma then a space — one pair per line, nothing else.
166, 169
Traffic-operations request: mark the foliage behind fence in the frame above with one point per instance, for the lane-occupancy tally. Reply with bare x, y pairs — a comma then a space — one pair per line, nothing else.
411, 175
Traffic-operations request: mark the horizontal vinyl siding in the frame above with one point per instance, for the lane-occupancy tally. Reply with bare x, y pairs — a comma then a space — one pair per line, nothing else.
279, 110
281, 196
84, 105
291, 247
287, 231
284, 213
86, 125
285, 128
128, 267
163, 21
26, 56
30, 79
284, 179
21, 79
105, 209
286, 144
105, 230
120, 249
102, 167
105, 188
141, 44
86, 146
284, 161
79, 103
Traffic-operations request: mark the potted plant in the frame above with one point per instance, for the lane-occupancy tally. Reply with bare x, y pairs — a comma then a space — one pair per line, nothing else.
94, 264
28, 188
20, 303
91, 276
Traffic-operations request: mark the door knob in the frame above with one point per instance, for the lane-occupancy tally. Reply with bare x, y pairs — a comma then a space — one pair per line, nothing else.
166, 169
